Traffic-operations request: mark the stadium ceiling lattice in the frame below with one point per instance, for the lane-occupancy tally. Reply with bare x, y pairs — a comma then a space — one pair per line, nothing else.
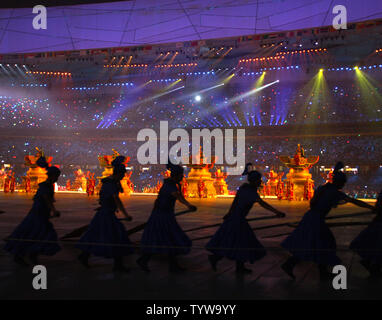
131, 23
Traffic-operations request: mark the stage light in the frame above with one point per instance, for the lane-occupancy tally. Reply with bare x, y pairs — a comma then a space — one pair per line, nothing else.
198, 98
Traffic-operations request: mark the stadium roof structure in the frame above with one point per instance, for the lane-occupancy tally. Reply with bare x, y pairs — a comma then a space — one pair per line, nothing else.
134, 23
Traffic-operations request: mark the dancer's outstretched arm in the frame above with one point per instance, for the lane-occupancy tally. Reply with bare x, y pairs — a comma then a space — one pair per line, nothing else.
359, 203
270, 208
50, 204
121, 208
179, 196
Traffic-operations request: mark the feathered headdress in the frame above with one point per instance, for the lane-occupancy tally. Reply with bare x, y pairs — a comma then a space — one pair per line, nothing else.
119, 164
175, 169
51, 170
247, 169
338, 175
252, 175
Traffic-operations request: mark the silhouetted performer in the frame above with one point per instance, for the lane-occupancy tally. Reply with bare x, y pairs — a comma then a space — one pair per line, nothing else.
106, 236
162, 233
235, 238
312, 240
36, 229
368, 244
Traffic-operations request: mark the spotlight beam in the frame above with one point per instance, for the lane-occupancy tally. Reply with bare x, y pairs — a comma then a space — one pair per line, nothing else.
210, 88
117, 113
253, 91
224, 106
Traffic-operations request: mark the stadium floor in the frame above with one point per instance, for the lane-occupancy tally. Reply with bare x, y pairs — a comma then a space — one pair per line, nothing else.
67, 279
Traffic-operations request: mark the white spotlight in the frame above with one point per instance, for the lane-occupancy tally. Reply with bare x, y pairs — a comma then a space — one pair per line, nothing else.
198, 98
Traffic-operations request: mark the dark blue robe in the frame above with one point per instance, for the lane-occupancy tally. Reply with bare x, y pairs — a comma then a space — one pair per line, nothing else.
162, 232
368, 244
106, 236
235, 238
36, 226
312, 240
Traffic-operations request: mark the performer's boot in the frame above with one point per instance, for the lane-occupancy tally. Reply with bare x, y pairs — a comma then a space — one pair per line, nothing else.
325, 275
241, 269
143, 261
289, 265
84, 259
214, 259
20, 261
118, 265
34, 258
173, 265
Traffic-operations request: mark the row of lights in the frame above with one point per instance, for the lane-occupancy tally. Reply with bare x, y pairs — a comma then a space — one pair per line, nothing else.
165, 80
261, 59
125, 84
115, 84
82, 88
378, 50
31, 85
353, 68
125, 66
50, 73
176, 65
269, 69
8, 65
302, 51
196, 73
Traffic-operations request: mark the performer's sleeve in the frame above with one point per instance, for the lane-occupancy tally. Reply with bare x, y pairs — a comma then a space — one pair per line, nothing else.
110, 189
341, 197
316, 193
256, 197
173, 188
45, 190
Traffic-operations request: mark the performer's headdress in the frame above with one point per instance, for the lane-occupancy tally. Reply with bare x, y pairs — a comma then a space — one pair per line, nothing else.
50, 170
252, 175
175, 169
338, 175
247, 170
118, 165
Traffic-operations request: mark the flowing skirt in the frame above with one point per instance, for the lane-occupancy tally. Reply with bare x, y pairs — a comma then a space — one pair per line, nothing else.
38, 233
368, 244
236, 240
106, 236
313, 241
163, 235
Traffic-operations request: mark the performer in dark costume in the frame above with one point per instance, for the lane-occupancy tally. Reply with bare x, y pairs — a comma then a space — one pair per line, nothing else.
235, 238
162, 233
36, 229
312, 240
106, 236
368, 244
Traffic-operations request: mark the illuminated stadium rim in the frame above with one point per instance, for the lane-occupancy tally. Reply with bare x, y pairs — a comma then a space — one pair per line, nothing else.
280, 55
354, 68
127, 84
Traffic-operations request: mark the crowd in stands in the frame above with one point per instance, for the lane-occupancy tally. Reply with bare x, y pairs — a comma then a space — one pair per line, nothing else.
286, 103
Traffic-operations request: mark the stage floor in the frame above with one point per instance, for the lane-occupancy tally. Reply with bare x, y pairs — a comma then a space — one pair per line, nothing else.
67, 279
